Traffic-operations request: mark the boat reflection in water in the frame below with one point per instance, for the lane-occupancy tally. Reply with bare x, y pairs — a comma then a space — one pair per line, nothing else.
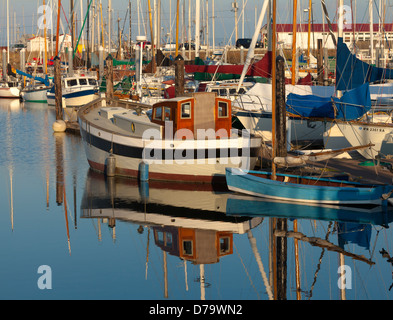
187, 220
352, 225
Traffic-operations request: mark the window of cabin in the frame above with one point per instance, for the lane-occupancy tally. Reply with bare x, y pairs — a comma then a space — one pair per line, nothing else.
160, 237
187, 247
72, 82
186, 110
169, 239
92, 82
232, 91
222, 109
215, 91
158, 114
225, 243
167, 114
223, 92
241, 91
83, 82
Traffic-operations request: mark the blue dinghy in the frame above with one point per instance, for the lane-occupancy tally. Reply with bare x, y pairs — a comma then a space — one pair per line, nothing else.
306, 189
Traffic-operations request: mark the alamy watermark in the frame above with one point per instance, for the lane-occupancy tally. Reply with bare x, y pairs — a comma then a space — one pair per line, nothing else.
44, 281
345, 279
344, 14
207, 146
44, 17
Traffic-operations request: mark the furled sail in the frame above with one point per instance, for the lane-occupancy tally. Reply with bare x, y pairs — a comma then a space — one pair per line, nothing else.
352, 105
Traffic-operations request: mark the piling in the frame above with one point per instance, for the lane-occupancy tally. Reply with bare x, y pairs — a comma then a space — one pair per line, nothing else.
281, 134
109, 79
179, 76
58, 91
320, 63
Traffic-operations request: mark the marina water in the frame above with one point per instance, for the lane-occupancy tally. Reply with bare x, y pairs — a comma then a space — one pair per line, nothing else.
69, 233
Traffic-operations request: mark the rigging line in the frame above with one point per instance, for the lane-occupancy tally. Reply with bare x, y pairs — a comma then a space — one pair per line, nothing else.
245, 269
319, 263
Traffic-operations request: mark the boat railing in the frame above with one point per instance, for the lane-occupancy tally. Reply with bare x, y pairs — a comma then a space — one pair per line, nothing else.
254, 100
98, 103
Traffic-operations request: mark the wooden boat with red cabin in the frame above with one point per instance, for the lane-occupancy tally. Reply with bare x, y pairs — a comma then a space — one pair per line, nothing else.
180, 139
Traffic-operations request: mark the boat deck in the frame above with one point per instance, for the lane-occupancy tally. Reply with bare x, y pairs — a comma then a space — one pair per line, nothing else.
359, 169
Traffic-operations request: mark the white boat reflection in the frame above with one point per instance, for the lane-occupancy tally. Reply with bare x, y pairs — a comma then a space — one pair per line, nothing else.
160, 204
12, 105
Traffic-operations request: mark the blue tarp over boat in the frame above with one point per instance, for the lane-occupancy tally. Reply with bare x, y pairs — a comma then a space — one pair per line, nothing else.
351, 72
352, 105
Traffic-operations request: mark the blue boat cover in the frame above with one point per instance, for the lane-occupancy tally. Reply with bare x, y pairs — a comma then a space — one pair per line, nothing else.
351, 72
352, 105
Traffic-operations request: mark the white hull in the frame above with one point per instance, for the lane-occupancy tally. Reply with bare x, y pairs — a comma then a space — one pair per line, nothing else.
73, 102
12, 92
38, 95
175, 168
300, 131
196, 160
363, 133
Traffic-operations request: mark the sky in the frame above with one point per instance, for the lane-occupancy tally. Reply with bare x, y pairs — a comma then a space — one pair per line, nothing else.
26, 16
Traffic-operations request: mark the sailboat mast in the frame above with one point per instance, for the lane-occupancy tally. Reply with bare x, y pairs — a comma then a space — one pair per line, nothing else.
57, 27
45, 44
294, 42
197, 27
177, 28
274, 88
309, 33
8, 32
370, 11
152, 40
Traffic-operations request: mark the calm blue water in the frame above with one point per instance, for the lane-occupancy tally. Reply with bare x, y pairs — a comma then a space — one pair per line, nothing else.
106, 242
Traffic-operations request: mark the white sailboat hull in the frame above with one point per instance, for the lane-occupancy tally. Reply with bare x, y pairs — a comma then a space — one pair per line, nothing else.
358, 133
12, 92
34, 95
301, 131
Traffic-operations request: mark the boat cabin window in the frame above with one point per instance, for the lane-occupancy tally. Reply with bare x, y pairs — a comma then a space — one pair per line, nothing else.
225, 243
223, 92
215, 90
72, 82
92, 82
167, 114
83, 82
242, 90
158, 114
187, 247
222, 109
186, 110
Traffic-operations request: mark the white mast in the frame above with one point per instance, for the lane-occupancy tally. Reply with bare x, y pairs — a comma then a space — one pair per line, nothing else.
109, 26
197, 27
213, 31
8, 33
250, 53
370, 12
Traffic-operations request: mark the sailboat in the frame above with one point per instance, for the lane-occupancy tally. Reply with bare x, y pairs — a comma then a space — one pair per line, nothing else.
8, 88
301, 188
351, 72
